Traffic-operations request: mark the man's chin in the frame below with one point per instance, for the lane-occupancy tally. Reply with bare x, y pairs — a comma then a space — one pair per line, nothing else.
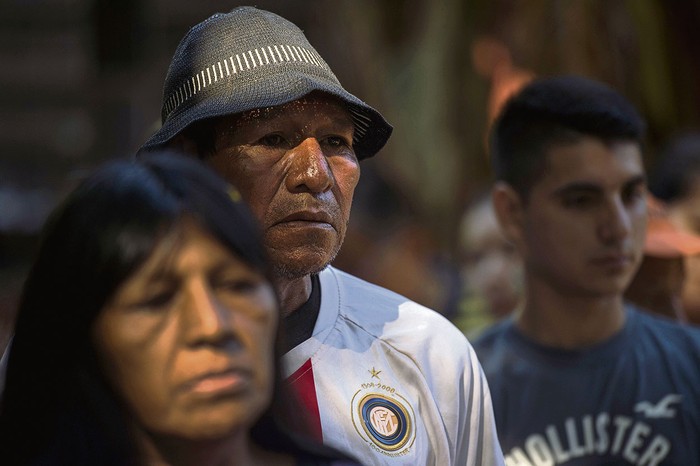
291, 262
288, 272
295, 266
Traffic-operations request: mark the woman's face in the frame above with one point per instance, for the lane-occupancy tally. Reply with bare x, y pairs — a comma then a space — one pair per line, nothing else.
187, 341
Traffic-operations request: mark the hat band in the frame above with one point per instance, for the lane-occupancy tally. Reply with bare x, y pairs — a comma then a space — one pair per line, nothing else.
234, 65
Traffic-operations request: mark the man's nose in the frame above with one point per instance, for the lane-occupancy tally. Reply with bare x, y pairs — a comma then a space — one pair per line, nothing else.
309, 170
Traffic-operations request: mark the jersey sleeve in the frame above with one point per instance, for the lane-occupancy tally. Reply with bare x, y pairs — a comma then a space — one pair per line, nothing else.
460, 389
478, 443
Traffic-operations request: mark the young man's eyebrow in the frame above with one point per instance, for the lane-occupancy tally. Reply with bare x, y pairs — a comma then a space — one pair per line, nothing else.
636, 180
589, 187
581, 186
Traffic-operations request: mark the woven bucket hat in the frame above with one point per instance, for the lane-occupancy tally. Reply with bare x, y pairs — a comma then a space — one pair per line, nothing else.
247, 59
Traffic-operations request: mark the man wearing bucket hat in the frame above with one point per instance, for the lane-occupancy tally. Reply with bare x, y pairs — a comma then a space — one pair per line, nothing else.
375, 375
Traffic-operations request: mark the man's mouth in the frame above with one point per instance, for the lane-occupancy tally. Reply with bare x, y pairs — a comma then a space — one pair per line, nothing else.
307, 218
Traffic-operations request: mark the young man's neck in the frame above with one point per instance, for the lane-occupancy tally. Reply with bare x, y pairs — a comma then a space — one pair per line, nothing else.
292, 293
564, 321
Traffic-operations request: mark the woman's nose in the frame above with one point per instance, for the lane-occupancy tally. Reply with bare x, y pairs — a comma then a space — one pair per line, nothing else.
205, 319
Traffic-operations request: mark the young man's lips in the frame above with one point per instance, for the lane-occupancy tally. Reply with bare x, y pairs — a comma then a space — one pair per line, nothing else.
613, 260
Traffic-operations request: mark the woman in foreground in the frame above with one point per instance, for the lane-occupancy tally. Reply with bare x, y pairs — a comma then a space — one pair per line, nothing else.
146, 330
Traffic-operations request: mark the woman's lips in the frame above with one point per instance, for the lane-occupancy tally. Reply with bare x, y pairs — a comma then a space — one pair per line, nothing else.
229, 381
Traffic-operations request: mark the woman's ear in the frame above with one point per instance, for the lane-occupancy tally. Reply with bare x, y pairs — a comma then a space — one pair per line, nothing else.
509, 209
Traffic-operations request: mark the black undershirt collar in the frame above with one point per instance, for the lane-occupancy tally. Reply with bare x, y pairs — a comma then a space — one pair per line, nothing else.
299, 325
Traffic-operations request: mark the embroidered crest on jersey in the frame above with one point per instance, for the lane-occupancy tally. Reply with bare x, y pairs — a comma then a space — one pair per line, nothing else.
383, 418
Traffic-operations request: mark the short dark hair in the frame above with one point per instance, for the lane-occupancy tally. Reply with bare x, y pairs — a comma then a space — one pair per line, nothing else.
56, 403
677, 168
556, 110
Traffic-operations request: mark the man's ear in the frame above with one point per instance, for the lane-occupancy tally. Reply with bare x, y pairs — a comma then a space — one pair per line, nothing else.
509, 209
184, 144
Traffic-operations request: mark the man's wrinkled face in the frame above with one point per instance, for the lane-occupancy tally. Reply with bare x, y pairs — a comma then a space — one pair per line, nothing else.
296, 168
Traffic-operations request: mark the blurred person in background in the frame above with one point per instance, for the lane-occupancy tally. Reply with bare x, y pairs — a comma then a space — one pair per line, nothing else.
675, 180
658, 284
248, 95
146, 331
579, 377
491, 270
493, 60
387, 244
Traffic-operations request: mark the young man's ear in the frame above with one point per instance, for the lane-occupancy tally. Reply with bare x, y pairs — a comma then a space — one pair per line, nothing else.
508, 207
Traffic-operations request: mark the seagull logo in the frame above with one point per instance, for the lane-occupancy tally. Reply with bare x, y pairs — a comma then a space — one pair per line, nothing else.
662, 409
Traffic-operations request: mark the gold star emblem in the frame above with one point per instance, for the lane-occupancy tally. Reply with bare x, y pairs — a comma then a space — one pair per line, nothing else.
375, 373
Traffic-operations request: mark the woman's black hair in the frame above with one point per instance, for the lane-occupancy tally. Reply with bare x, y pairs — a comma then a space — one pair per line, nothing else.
57, 407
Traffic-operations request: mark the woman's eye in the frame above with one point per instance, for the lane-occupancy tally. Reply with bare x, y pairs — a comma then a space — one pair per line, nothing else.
243, 285
157, 300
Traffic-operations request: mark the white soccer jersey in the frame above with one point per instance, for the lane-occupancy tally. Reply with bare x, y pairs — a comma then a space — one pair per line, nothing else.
391, 382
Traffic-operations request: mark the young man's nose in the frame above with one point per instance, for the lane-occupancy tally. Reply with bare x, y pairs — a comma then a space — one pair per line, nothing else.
309, 169
616, 222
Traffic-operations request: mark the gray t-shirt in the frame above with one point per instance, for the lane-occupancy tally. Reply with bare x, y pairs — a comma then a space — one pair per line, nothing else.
634, 399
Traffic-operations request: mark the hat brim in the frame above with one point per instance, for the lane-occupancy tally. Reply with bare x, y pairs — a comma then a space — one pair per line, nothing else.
372, 130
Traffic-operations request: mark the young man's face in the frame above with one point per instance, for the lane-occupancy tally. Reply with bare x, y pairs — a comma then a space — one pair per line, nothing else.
583, 227
296, 168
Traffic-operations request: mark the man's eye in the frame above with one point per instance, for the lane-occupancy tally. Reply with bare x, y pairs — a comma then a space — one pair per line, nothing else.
272, 140
336, 141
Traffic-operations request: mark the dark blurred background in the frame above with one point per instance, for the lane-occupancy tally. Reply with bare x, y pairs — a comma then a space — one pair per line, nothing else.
81, 83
